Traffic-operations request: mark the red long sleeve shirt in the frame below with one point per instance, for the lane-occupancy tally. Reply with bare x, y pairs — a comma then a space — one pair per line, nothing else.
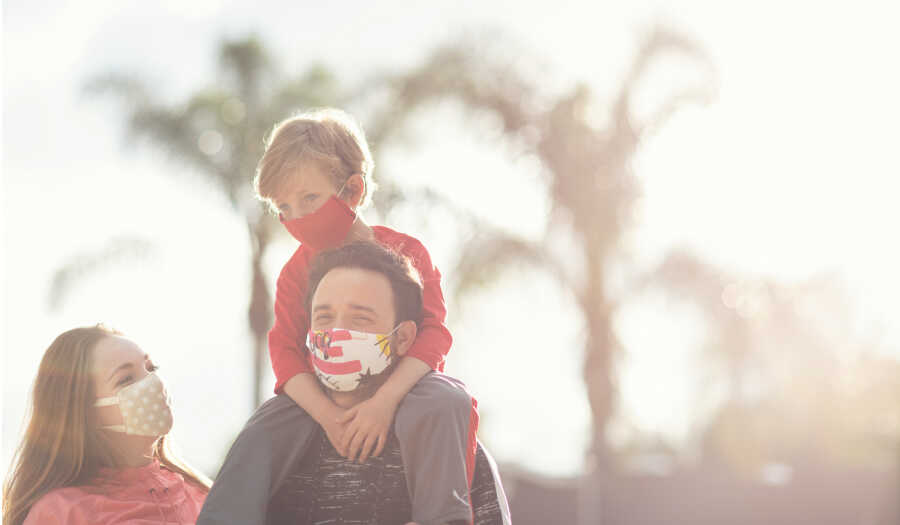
287, 339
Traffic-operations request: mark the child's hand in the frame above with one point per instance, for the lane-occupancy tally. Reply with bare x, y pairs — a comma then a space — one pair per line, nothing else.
368, 425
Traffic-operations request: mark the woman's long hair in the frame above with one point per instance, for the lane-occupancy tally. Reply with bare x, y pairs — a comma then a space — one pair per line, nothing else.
63, 445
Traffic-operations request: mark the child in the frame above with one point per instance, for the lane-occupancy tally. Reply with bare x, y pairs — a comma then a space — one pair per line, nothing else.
317, 172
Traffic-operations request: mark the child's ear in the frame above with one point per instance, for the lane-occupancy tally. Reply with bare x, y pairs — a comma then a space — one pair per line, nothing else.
356, 188
404, 337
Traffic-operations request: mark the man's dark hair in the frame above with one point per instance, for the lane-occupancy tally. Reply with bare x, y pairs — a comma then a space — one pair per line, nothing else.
404, 279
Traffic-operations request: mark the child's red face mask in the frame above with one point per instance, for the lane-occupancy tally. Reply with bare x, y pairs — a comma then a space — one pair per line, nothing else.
324, 228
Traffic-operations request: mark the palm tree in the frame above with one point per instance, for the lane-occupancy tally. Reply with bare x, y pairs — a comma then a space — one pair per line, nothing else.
218, 131
587, 170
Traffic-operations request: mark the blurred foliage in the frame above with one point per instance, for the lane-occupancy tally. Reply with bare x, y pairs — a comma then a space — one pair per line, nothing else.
114, 252
792, 391
803, 383
219, 132
587, 171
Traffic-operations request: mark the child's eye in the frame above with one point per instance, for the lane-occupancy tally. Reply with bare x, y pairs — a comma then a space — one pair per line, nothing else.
125, 380
311, 197
151, 367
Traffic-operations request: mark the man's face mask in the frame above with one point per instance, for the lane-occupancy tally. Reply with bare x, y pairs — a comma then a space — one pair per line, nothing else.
144, 405
343, 357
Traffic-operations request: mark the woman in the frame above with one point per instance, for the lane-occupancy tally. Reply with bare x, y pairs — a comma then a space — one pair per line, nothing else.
96, 449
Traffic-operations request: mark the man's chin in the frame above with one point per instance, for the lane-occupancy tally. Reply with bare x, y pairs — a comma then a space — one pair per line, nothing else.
370, 383
367, 386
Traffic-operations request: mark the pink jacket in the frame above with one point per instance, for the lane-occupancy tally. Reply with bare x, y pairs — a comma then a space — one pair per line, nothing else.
142, 495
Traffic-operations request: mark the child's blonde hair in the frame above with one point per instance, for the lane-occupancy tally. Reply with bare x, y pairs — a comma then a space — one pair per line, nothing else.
329, 137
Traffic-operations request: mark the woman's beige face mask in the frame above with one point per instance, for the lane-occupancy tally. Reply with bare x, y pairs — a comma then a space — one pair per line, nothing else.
145, 407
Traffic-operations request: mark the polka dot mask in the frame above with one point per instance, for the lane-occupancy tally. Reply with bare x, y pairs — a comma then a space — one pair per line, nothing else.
144, 405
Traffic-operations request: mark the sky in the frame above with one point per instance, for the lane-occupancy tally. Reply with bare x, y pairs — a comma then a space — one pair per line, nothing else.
791, 172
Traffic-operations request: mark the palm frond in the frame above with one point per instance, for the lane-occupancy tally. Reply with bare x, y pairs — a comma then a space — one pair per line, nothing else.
463, 71
683, 274
316, 87
248, 64
490, 253
658, 43
82, 266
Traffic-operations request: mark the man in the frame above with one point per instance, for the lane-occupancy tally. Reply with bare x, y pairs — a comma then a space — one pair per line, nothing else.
365, 304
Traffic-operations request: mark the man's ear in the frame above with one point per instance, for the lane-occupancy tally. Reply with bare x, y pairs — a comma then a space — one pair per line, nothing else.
404, 337
354, 189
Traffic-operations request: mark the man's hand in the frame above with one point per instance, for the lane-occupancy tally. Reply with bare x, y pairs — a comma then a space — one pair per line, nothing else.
367, 427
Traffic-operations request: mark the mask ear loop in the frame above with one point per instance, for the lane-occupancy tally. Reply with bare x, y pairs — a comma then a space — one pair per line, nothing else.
384, 343
385, 336
106, 402
338, 195
343, 187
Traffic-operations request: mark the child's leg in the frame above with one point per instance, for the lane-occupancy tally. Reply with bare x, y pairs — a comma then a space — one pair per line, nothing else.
270, 444
435, 425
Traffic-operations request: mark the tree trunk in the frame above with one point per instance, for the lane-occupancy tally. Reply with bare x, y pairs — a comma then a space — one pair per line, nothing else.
597, 371
598, 378
259, 311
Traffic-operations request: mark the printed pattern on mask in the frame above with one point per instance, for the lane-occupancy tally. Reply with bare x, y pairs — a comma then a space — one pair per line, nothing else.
342, 358
145, 409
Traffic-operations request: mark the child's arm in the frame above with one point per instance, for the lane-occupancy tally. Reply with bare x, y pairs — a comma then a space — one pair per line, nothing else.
366, 424
433, 339
286, 349
370, 420
293, 373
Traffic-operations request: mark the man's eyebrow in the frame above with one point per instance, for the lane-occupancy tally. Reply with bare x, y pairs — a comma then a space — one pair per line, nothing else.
321, 307
120, 367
